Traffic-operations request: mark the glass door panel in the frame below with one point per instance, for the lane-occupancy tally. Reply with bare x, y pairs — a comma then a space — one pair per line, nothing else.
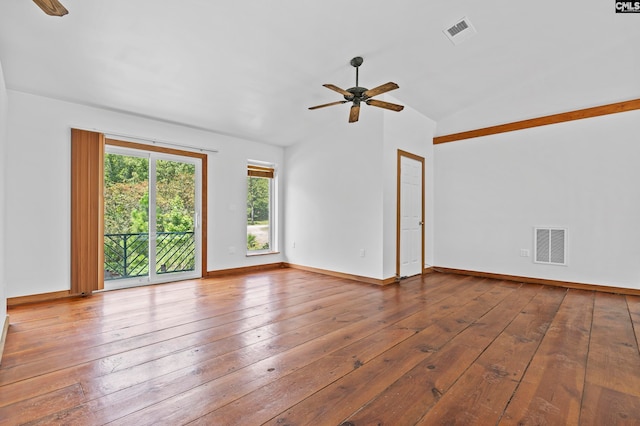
152, 205
126, 217
176, 217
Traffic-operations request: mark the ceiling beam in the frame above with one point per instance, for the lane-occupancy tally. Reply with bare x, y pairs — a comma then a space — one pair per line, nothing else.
542, 121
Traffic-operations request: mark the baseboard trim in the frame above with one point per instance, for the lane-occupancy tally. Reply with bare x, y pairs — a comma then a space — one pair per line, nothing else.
358, 278
245, 269
43, 297
387, 281
3, 338
554, 283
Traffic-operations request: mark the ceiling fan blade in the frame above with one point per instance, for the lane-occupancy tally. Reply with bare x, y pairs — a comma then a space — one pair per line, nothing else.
380, 89
354, 113
385, 105
339, 90
329, 104
51, 7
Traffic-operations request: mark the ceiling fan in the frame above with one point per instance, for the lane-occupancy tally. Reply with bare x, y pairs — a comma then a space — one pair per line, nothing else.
51, 7
359, 94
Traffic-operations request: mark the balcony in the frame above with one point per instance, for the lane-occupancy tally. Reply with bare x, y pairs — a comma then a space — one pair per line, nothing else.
127, 255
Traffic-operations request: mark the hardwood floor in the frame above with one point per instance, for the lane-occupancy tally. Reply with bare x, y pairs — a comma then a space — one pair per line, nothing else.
288, 347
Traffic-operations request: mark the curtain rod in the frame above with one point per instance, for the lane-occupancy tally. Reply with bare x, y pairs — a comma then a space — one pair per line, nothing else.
112, 135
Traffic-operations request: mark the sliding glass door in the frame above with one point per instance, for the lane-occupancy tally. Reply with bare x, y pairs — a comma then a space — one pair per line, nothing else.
152, 217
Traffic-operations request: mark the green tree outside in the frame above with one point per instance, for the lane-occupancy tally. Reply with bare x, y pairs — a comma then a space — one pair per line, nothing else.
126, 211
258, 209
257, 199
127, 195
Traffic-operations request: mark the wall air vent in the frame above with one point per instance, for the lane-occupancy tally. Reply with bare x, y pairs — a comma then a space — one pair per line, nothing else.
550, 246
460, 31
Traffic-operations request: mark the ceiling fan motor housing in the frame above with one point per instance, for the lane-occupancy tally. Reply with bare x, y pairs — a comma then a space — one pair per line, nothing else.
358, 93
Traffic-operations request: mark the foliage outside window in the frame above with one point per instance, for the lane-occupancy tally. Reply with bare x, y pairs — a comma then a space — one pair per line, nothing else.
126, 215
127, 195
259, 208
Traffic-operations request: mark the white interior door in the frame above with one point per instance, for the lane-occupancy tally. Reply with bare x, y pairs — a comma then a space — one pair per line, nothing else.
411, 216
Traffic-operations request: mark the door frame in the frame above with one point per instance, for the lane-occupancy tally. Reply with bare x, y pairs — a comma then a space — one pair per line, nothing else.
203, 177
421, 160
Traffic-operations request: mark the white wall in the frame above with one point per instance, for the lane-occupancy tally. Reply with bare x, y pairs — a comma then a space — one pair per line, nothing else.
38, 192
582, 175
341, 192
3, 143
334, 197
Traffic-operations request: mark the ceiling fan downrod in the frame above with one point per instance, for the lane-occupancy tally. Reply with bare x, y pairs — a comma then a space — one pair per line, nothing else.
356, 62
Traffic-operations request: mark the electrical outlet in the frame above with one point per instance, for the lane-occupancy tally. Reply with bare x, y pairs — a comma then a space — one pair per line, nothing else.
524, 253
232, 250
293, 245
362, 252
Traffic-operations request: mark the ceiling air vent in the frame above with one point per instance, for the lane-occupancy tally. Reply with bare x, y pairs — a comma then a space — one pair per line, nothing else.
551, 246
460, 31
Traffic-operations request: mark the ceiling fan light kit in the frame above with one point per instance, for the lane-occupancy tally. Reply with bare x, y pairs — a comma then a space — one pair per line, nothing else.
356, 95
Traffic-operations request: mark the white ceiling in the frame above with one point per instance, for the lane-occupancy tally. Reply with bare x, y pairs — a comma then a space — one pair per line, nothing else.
250, 68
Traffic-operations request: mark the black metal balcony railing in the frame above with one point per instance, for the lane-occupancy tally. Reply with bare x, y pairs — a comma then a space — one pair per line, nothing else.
127, 255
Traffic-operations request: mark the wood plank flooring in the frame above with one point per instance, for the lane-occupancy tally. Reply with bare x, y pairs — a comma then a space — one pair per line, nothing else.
289, 347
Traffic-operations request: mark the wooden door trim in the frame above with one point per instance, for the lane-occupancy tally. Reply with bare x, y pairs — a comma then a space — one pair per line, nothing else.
401, 154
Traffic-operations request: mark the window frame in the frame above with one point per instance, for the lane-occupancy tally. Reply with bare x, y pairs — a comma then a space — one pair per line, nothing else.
264, 170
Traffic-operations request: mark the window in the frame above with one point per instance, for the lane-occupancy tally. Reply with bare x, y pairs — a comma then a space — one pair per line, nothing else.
260, 208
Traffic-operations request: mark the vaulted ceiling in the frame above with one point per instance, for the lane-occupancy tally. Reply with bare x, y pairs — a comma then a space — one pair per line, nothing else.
251, 68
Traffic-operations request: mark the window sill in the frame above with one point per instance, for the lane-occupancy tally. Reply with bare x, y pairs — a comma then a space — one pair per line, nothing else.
262, 253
